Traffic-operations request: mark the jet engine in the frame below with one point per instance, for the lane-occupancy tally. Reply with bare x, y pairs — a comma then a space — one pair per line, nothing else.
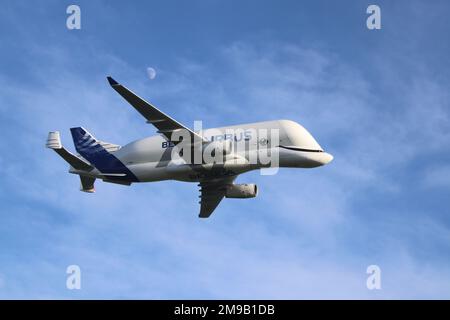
242, 191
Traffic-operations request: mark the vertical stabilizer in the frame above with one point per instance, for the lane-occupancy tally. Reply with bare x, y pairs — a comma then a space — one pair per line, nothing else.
100, 155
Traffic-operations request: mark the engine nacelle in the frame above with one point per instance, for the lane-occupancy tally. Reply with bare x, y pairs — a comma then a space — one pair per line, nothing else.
242, 191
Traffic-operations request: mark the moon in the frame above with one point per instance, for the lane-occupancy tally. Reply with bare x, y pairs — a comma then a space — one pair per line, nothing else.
151, 73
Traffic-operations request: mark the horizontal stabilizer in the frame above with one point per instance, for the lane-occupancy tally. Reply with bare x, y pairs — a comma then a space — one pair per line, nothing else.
112, 175
54, 142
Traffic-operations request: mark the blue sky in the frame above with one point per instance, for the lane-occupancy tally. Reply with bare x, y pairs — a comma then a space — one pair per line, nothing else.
377, 100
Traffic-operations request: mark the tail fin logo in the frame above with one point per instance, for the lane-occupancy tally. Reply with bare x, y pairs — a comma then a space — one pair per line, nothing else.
93, 151
88, 143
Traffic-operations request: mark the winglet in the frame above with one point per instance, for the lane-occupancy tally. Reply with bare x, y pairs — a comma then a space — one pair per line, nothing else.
54, 140
111, 81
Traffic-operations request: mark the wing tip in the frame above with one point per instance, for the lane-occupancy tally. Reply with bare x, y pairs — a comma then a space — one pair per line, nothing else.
111, 81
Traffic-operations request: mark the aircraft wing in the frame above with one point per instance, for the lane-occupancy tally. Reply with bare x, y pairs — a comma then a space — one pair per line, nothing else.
212, 192
165, 124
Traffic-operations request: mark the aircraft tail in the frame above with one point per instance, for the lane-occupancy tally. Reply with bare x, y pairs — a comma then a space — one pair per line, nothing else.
100, 154
96, 152
54, 143
87, 184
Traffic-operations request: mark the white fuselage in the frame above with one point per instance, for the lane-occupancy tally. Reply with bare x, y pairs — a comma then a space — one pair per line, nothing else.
152, 158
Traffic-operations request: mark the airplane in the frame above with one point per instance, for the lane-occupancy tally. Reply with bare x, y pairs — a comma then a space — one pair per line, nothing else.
170, 155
